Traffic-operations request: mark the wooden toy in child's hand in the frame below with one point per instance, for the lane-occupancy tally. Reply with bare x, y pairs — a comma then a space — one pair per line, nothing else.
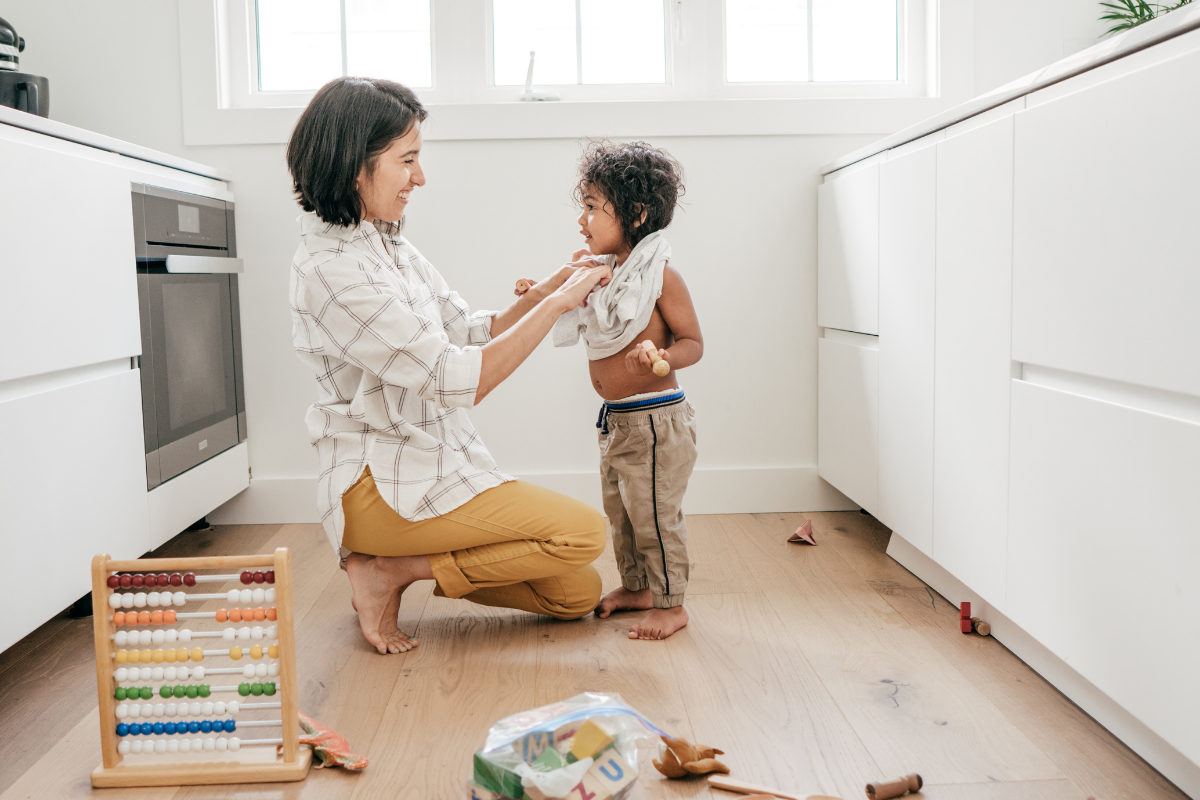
684, 758
884, 790
523, 286
658, 363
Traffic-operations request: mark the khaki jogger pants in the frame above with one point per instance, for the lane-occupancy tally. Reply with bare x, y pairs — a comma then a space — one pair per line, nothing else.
646, 459
517, 545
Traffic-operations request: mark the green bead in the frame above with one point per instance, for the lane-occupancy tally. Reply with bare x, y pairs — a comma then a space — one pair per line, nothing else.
256, 689
268, 688
205, 690
179, 691
193, 692
147, 692
164, 691
121, 694
244, 689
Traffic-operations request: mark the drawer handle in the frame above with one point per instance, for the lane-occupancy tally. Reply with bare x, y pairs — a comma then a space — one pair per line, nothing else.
204, 265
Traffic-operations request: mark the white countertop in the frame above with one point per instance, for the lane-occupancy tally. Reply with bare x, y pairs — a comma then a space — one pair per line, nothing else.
1145, 35
60, 130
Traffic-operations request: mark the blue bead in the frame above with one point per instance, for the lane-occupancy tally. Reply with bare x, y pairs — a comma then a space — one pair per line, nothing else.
205, 726
194, 726
169, 727
147, 729
230, 726
122, 729
158, 728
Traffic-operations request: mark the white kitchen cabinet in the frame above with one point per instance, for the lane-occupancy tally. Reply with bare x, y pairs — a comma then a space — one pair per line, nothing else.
907, 192
1106, 271
848, 251
1103, 547
74, 481
972, 358
848, 416
68, 273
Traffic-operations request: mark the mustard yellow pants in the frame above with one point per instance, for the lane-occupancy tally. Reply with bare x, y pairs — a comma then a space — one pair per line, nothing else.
514, 546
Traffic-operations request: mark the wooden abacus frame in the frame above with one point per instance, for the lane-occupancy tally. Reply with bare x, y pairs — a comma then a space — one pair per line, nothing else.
291, 766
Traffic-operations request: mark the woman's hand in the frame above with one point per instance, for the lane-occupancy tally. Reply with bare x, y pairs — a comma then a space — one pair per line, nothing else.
637, 361
584, 276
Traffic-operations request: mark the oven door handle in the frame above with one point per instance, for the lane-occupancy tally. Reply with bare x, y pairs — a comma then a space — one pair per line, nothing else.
204, 265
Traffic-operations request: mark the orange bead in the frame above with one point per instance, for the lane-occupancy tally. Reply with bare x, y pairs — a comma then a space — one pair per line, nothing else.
197, 654
156, 617
235, 615
272, 614
169, 617
256, 652
147, 657
119, 618
122, 656
171, 656
143, 618
181, 654
159, 656
235, 653
247, 614
222, 615
259, 615
273, 651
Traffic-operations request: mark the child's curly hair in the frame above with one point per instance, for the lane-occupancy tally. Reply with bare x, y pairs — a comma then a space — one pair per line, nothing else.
633, 177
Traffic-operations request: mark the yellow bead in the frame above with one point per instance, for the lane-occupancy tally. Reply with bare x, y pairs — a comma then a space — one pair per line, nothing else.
170, 656
197, 654
256, 651
159, 656
235, 653
273, 651
122, 656
181, 654
147, 657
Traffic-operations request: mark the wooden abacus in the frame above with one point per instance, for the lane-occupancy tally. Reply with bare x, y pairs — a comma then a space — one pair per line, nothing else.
164, 750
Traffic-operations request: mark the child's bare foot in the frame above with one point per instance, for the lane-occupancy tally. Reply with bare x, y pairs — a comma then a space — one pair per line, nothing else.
377, 584
659, 623
623, 599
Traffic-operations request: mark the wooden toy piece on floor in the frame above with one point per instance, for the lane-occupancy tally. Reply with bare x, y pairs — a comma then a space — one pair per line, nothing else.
754, 790
660, 365
964, 616
804, 534
980, 627
884, 790
684, 758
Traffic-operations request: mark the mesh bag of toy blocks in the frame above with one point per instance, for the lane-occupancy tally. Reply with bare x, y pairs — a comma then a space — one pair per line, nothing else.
582, 748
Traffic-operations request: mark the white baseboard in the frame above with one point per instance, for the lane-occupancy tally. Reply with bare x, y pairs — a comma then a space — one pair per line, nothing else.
1176, 767
711, 491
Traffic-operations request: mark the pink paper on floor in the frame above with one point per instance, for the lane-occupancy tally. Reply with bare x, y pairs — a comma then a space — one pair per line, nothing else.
803, 534
330, 748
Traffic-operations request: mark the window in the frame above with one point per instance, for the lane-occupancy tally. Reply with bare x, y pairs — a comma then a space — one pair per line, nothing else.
275, 53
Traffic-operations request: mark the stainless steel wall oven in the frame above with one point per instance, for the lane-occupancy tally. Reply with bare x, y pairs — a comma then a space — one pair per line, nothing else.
193, 400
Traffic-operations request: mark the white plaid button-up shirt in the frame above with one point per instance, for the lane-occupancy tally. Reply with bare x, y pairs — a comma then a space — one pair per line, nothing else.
397, 356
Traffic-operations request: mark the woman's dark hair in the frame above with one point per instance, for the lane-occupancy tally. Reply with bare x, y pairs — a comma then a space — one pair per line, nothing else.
347, 124
633, 177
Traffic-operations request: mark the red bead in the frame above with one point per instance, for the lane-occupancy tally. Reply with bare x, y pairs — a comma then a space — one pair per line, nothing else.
139, 581
126, 581
189, 579
176, 579
164, 579
247, 577
259, 577
149, 581
270, 576
113, 581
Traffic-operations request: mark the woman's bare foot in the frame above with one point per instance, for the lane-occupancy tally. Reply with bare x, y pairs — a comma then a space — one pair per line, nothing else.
623, 599
377, 584
659, 623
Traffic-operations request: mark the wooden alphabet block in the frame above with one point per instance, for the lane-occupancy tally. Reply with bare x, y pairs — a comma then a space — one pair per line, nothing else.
589, 740
612, 772
533, 744
477, 792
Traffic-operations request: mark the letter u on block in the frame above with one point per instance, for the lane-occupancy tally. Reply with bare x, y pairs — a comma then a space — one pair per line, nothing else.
612, 762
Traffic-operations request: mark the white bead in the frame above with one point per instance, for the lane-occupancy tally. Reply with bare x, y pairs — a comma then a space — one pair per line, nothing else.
172, 636
270, 598
185, 635
172, 745
158, 637
198, 673
139, 600
257, 595
273, 632
122, 711
219, 708
248, 671
222, 744
169, 673
179, 598
185, 745
246, 595
146, 673
124, 747
157, 674
122, 674
183, 673
146, 637
134, 711
160, 746
256, 632
260, 670
210, 744
159, 709
206, 709
114, 600
121, 639
194, 709
127, 600
229, 634
170, 710
135, 746
273, 669
244, 634
197, 745
233, 596
233, 707
152, 599
235, 744
147, 710
182, 709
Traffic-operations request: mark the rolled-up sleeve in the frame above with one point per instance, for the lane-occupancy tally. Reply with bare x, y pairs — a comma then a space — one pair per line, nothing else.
363, 323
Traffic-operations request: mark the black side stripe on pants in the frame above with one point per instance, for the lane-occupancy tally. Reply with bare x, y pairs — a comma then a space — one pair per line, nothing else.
654, 495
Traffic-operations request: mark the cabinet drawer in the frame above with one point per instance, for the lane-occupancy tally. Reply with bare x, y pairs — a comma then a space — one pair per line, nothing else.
72, 484
848, 419
1103, 548
69, 274
848, 252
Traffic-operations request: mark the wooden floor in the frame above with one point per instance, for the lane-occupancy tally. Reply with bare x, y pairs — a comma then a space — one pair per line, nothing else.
815, 669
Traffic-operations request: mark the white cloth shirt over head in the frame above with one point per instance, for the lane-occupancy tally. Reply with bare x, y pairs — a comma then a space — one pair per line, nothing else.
396, 355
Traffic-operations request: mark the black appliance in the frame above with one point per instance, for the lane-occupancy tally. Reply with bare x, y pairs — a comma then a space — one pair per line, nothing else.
193, 399
20, 90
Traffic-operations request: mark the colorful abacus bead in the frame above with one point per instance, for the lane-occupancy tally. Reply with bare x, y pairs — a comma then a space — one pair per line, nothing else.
272, 614
169, 617
197, 654
139, 581
268, 689
126, 581
244, 689
246, 577
273, 651
189, 579
222, 615
113, 582
260, 577
235, 653
143, 617
270, 576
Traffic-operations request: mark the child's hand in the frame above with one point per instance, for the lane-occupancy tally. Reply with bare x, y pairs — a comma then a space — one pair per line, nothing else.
583, 276
523, 286
637, 361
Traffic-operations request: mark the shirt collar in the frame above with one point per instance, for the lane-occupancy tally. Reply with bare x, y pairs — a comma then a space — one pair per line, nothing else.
311, 223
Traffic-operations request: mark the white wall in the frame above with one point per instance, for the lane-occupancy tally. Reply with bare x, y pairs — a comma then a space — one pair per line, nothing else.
496, 210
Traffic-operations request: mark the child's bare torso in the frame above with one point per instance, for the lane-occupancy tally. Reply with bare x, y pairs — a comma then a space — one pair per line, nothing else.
613, 381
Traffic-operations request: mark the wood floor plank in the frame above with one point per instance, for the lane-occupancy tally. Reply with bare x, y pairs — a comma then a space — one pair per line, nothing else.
912, 710
717, 565
1008, 790
751, 692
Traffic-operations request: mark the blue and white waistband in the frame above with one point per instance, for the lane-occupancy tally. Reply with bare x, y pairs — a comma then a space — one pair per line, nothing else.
660, 400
